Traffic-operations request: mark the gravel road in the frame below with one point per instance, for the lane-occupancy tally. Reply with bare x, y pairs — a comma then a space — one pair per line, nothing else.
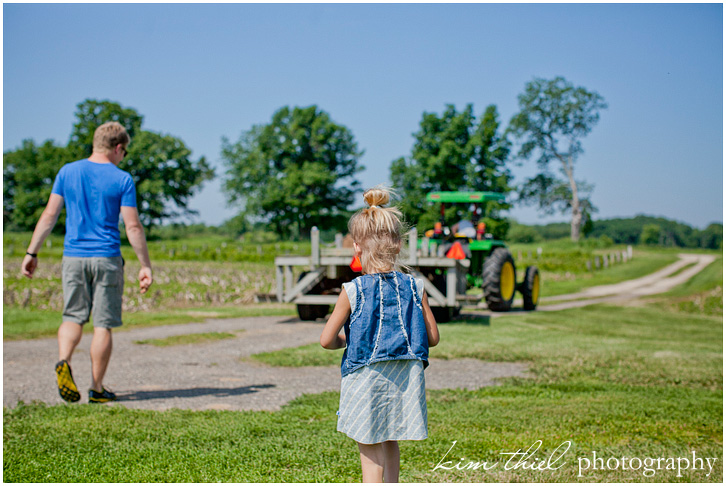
215, 375
212, 375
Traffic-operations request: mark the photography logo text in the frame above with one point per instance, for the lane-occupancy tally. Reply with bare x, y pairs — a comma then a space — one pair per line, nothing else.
533, 460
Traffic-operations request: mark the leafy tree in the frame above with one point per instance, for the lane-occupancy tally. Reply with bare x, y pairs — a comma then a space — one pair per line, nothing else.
453, 152
712, 236
28, 175
519, 233
165, 175
295, 172
90, 114
554, 116
236, 225
651, 234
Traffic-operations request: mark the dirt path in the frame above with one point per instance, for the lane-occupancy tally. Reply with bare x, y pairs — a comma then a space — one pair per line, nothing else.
655, 283
216, 375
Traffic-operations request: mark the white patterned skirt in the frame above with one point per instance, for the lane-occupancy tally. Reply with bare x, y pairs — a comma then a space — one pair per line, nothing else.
384, 401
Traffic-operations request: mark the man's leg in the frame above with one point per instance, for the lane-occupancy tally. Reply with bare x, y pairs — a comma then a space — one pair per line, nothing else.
107, 303
69, 335
101, 347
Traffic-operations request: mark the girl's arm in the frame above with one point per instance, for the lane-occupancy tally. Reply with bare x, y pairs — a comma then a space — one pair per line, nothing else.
432, 330
330, 338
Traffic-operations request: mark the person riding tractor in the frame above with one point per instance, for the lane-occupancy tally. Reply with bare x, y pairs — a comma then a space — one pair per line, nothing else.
491, 265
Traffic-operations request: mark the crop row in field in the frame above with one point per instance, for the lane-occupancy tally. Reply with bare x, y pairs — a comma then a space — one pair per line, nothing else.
176, 284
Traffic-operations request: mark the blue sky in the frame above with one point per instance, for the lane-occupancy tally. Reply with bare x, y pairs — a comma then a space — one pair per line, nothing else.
200, 72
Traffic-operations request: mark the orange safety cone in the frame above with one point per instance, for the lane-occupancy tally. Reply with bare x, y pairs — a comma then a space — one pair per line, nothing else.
456, 252
355, 265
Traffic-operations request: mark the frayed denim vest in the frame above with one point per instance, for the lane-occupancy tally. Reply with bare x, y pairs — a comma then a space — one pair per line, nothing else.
386, 321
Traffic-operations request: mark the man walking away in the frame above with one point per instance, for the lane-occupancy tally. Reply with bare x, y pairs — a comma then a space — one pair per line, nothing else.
94, 192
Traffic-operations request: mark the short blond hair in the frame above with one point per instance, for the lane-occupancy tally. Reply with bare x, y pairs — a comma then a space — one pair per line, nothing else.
109, 135
378, 231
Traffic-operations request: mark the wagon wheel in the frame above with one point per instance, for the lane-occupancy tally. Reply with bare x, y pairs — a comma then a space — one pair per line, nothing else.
442, 314
311, 312
500, 277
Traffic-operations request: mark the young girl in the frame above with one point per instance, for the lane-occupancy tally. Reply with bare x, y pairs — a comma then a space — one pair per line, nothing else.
388, 330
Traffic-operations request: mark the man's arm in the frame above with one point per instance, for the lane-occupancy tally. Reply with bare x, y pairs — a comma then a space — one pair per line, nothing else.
45, 225
137, 238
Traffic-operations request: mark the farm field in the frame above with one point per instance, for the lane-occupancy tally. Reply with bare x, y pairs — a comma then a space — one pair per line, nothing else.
218, 277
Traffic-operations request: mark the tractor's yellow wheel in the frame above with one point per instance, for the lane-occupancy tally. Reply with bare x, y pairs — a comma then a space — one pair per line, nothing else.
499, 280
507, 282
530, 288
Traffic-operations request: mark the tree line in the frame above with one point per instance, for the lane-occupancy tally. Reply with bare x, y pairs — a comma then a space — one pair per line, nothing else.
300, 169
640, 229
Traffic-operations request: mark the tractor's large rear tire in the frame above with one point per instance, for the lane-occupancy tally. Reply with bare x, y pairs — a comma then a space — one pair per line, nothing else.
311, 312
499, 280
530, 288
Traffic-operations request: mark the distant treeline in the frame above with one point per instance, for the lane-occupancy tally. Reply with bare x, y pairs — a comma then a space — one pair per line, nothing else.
646, 230
641, 229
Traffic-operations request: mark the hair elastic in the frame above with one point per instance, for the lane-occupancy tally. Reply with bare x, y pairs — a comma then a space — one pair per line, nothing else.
374, 206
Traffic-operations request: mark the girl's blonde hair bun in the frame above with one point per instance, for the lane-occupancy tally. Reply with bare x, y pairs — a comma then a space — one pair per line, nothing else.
378, 231
377, 196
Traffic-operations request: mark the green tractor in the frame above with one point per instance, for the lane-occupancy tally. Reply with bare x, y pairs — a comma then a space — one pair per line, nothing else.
491, 266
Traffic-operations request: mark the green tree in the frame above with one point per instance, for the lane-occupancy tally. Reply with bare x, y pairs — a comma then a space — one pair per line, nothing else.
452, 152
519, 233
651, 234
90, 114
295, 172
553, 119
711, 237
161, 166
165, 175
28, 175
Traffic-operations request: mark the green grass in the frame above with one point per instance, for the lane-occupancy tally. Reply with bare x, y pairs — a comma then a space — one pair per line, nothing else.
625, 382
182, 339
29, 324
702, 294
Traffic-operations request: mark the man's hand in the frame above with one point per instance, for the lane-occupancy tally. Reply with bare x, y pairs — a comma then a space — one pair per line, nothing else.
45, 225
145, 279
29, 265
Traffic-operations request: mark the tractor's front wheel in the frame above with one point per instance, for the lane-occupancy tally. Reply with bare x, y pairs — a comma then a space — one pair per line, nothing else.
530, 288
499, 280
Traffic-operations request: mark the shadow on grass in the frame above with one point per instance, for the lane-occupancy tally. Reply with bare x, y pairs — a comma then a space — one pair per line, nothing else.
471, 317
191, 392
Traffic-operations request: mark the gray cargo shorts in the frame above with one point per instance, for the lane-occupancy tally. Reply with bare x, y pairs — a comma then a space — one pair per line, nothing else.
93, 283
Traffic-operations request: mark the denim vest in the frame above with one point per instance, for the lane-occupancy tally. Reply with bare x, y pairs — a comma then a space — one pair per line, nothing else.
385, 323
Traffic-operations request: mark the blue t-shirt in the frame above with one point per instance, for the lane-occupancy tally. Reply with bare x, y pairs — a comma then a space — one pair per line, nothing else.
93, 194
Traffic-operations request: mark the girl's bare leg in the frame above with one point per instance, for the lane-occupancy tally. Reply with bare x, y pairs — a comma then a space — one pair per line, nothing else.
380, 462
391, 461
372, 460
